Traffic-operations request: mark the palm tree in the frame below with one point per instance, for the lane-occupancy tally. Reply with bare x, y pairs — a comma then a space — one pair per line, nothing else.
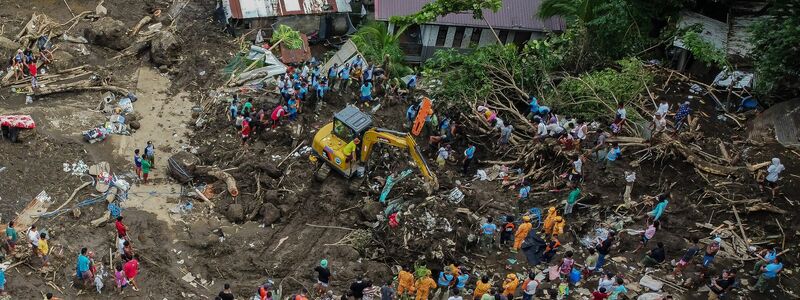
376, 43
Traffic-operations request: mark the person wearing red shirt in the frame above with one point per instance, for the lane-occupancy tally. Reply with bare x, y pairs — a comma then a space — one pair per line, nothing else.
122, 230
131, 269
245, 131
33, 69
277, 113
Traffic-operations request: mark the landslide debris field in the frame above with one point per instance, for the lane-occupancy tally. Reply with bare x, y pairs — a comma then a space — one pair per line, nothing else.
283, 221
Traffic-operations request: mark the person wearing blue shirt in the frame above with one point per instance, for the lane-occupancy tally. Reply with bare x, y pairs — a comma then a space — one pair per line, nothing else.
366, 92
613, 154
332, 73
769, 273
487, 232
468, 156
524, 192
292, 108
411, 114
657, 211
344, 74
321, 87
358, 62
412, 82
444, 280
767, 256
301, 92
82, 267
368, 73
534, 104
462, 280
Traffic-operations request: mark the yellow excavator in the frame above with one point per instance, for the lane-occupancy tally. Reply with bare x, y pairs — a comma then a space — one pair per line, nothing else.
351, 123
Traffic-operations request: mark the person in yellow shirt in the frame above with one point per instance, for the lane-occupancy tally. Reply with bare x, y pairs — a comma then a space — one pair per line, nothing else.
558, 225
510, 285
521, 233
349, 150
549, 220
44, 249
481, 287
424, 286
405, 282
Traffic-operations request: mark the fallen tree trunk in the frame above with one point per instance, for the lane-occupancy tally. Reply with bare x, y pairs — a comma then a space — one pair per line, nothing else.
84, 85
702, 164
215, 172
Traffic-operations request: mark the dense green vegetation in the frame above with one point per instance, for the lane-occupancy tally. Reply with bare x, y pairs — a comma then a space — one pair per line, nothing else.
776, 42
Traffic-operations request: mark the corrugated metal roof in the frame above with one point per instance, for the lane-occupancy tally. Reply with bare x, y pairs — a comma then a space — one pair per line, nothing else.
714, 31
515, 14
250, 9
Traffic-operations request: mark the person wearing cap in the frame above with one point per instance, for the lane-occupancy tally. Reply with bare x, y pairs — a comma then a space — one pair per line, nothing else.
773, 174
684, 110
550, 220
510, 285
522, 233
323, 277
424, 286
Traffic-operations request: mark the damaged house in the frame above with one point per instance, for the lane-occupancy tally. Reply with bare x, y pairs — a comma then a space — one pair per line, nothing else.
514, 23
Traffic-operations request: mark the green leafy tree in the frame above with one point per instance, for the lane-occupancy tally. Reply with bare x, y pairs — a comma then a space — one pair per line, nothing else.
776, 41
377, 44
437, 8
288, 36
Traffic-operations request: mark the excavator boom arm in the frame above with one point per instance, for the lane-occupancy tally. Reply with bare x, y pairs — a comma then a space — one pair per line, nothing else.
401, 140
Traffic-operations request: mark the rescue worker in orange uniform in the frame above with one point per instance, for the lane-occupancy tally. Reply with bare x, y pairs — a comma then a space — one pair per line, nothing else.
558, 225
549, 220
510, 285
522, 232
424, 286
405, 282
481, 287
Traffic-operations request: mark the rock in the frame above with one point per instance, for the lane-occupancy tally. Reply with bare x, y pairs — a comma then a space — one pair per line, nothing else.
8, 45
107, 32
235, 213
651, 283
271, 214
182, 165
285, 209
371, 210
135, 124
271, 170
650, 296
163, 48
271, 195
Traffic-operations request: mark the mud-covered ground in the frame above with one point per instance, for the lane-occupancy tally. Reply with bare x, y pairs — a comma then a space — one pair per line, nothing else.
212, 250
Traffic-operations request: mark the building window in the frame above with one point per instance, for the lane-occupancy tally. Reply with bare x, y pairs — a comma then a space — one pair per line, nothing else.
476, 37
521, 37
442, 36
458, 37
503, 35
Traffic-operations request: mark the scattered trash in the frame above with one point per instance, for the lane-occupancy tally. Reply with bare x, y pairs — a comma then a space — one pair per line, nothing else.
695, 89
455, 196
77, 168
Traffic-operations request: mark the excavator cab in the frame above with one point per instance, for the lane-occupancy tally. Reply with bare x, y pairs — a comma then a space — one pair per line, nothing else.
330, 140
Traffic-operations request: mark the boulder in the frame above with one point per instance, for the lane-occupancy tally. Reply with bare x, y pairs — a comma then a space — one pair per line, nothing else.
135, 124
108, 32
371, 210
163, 48
182, 165
235, 213
271, 214
651, 283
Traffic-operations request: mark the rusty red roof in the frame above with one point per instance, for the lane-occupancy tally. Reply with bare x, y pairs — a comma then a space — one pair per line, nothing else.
248, 9
514, 15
